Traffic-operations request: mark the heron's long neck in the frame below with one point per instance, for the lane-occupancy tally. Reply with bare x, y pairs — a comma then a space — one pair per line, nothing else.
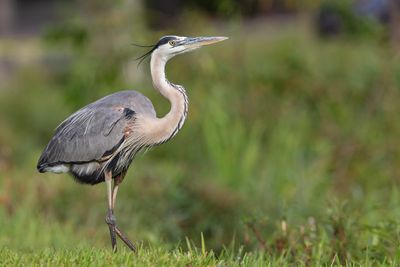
167, 126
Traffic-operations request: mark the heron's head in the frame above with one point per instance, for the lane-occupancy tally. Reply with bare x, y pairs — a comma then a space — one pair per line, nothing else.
171, 45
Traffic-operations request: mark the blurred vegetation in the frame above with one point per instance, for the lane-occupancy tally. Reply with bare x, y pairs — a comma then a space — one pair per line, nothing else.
290, 150
346, 18
224, 9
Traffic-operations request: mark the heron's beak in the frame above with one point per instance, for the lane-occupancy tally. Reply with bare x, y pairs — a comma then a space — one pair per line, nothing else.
196, 42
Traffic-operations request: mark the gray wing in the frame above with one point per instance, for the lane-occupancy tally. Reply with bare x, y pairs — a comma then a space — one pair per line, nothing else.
95, 130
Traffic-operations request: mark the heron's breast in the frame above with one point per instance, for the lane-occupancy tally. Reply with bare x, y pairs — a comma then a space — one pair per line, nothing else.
152, 130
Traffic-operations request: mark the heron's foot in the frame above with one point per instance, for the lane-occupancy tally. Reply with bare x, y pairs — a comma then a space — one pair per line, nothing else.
125, 239
114, 231
110, 220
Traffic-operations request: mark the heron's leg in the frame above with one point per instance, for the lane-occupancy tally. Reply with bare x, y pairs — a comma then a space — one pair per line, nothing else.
110, 219
115, 191
117, 182
125, 239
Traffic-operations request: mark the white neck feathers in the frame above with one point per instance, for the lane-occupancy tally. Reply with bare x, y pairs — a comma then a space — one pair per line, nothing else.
162, 129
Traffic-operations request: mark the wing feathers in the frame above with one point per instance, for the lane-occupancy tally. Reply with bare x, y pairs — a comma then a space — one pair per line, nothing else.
95, 131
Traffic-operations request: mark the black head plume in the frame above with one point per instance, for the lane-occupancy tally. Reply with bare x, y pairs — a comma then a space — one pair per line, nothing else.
138, 45
144, 56
162, 41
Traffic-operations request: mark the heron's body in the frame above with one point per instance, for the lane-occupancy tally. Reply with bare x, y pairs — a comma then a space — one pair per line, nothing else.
98, 133
99, 141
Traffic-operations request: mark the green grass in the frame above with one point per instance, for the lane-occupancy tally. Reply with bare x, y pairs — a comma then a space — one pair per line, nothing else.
88, 256
341, 237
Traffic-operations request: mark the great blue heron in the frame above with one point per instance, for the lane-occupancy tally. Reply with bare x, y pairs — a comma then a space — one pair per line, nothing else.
98, 142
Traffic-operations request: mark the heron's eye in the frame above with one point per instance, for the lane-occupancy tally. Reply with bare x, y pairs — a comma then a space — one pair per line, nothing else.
172, 43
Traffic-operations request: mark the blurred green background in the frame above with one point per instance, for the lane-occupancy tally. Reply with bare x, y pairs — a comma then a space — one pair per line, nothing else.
291, 143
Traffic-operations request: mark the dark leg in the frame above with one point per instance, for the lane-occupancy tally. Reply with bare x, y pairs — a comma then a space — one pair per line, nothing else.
125, 239
121, 235
110, 219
